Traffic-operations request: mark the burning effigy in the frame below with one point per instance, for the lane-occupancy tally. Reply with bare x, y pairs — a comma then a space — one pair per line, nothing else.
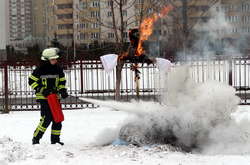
136, 53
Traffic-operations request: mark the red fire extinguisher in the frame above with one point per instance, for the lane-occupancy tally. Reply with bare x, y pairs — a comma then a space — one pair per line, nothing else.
55, 107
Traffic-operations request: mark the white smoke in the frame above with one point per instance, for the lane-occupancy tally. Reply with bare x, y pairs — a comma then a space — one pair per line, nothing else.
211, 38
195, 117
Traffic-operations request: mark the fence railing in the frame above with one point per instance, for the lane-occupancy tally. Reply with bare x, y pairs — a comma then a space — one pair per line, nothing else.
88, 79
84, 79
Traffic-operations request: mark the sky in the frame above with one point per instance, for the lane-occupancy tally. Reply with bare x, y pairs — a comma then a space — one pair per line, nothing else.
3, 24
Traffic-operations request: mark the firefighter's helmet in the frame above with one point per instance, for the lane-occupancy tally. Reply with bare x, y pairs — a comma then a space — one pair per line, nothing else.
49, 54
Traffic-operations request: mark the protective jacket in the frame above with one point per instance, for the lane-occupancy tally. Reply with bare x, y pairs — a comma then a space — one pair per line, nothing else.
47, 77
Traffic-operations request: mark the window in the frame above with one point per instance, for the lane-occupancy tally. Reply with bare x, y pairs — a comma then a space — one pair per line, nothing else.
65, 26
95, 25
125, 35
124, 2
124, 13
95, 4
245, 19
84, 25
65, 6
233, 18
140, 1
111, 35
65, 36
95, 14
95, 35
83, 5
110, 3
109, 13
65, 16
83, 36
234, 30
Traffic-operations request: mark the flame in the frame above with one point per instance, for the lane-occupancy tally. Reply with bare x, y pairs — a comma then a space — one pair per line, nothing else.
123, 55
146, 27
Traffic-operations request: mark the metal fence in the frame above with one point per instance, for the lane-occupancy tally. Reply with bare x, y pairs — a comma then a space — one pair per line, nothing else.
232, 71
88, 79
84, 79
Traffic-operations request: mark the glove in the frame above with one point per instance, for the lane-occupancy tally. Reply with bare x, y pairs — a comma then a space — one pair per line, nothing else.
64, 93
46, 92
38, 89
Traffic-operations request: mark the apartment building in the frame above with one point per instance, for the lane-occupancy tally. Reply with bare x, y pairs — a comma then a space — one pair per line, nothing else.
237, 14
85, 21
88, 28
39, 25
60, 21
20, 21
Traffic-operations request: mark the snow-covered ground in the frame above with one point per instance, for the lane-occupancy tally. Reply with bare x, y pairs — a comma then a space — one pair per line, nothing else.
84, 132
202, 116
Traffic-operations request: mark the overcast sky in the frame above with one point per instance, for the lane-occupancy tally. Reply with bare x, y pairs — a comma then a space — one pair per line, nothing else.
3, 16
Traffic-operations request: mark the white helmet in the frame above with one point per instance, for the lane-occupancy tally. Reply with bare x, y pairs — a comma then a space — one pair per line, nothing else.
50, 53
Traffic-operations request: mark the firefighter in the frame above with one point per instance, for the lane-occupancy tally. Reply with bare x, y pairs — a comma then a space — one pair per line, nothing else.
46, 79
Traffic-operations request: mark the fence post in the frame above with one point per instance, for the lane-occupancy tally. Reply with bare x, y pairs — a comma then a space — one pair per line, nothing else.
6, 90
230, 73
81, 73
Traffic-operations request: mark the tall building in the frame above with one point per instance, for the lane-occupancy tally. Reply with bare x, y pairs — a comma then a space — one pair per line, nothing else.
20, 21
88, 15
84, 21
237, 13
39, 25
59, 20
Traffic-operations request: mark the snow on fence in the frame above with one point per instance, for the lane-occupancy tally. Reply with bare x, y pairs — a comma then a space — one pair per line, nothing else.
88, 79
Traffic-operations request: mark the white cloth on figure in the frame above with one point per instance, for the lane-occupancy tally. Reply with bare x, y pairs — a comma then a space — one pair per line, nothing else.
163, 64
109, 62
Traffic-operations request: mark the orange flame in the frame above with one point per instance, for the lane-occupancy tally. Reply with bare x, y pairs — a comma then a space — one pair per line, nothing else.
146, 27
123, 55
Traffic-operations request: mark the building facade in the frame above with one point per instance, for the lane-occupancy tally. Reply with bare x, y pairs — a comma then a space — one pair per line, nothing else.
125, 17
20, 20
85, 21
237, 14
39, 25
60, 21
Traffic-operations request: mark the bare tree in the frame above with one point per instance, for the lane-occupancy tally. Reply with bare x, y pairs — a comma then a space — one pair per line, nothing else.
118, 22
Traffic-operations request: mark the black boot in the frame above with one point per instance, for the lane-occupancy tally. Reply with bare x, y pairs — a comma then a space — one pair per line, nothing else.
61, 143
56, 139
35, 141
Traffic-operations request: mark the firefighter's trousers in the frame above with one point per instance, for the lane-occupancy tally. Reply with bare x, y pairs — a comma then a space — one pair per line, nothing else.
46, 119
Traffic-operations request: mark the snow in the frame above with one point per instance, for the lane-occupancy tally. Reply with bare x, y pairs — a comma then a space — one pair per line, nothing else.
207, 110
83, 134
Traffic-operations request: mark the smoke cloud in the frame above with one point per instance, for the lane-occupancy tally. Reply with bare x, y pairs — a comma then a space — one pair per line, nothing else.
214, 37
194, 117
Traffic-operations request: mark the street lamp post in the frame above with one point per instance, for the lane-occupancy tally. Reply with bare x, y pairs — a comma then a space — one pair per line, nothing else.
76, 23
